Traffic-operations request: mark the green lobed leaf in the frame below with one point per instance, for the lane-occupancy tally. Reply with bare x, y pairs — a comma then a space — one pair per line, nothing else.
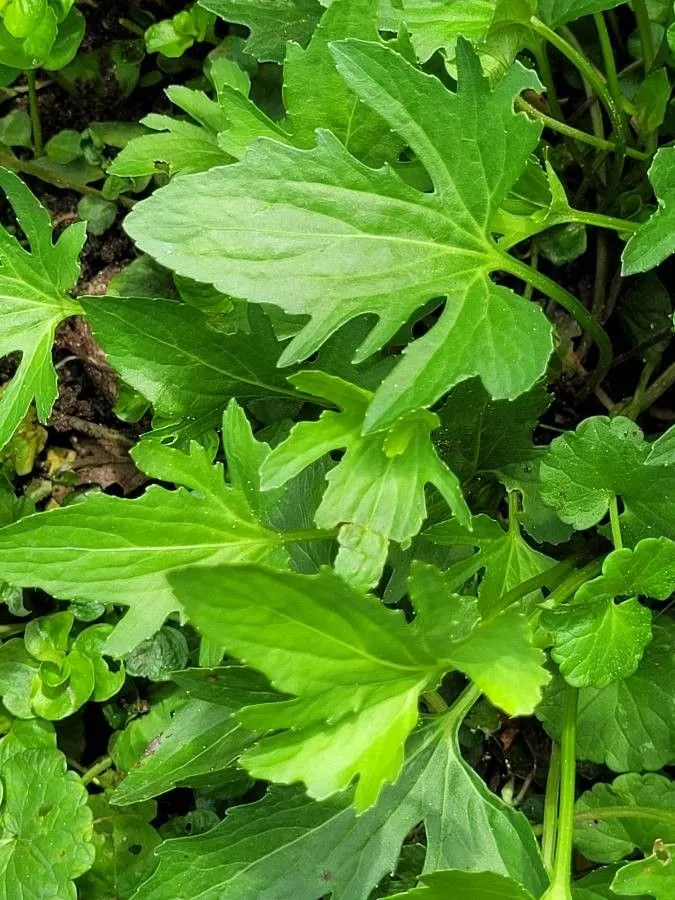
378, 485
316, 95
435, 24
320, 253
654, 242
118, 551
647, 804
596, 640
504, 558
294, 847
271, 22
45, 826
34, 288
599, 642
559, 12
348, 660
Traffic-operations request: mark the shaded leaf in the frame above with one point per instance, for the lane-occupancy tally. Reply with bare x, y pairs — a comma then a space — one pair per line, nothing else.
648, 800
654, 241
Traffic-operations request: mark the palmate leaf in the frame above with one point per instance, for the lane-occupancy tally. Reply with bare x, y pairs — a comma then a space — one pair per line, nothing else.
291, 846
655, 239
378, 486
113, 550
318, 233
348, 661
316, 95
597, 641
651, 800
272, 23
33, 300
436, 24
602, 459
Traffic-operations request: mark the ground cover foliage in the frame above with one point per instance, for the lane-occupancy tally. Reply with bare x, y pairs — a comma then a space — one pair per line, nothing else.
337, 465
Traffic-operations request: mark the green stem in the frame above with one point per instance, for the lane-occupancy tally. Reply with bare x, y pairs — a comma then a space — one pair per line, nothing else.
34, 168
543, 64
560, 888
97, 769
591, 75
551, 798
9, 630
614, 89
615, 525
434, 701
603, 813
582, 136
658, 387
608, 59
591, 96
550, 579
34, 107
460, 708
645, 31
571, 584
569, 302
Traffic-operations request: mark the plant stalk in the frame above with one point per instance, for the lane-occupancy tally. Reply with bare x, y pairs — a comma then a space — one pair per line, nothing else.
645, 32
97, 769
551, 799
561, 888
574, 307
588, 72
34, 106
35, 169
582, 136
614, 523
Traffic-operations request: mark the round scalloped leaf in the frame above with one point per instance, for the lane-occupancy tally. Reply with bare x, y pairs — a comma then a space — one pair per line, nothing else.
629, 725
45, 827
61, 690
107, 680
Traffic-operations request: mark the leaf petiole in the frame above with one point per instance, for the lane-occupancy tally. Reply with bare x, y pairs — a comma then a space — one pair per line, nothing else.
591, 75
560, 888
576, 134
97, 769
614, 523
644, 25
569, 302
34, 107
551, 798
